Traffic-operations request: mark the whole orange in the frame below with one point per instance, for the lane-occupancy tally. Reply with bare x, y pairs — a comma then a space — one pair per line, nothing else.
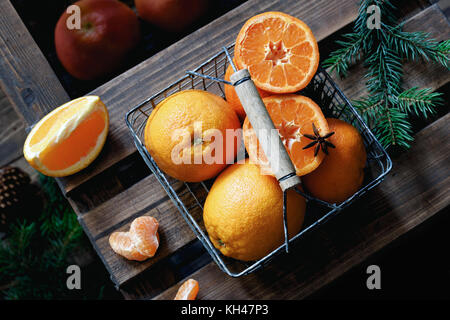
232, 97
243, 212
108, 31
186, 134
341, 172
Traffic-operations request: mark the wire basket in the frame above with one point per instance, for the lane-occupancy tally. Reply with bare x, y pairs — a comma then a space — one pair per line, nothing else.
190, 197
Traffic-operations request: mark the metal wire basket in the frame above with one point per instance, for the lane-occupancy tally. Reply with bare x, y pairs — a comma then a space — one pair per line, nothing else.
190, 197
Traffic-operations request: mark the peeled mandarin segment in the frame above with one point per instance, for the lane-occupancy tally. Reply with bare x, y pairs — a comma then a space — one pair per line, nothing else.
293, 116
69, 138
188, 290
279, 51
143, 232
140, 243
122, 244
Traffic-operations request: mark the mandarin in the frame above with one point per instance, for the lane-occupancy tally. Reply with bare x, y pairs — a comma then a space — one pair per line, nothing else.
279, 51
186, 134
342, 171
293, 116
243, 212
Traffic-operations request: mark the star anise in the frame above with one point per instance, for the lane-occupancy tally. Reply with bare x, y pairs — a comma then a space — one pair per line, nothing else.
319, 141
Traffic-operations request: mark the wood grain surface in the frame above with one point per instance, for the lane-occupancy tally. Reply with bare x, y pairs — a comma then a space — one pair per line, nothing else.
130, 88
12, 131
417, 188
142, 198
25, 75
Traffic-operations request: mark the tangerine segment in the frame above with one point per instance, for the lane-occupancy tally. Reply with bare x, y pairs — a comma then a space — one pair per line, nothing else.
144, 234
188, 290
140, 243
123, 245
293, 116
279, 51
69, 138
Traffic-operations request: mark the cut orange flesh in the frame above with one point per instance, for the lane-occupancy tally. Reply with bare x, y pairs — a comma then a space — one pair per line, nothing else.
69, 138
279, 51
188, 290
293, 116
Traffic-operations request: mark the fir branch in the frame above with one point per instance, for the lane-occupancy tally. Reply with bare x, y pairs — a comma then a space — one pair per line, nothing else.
350, 52
368, 108
415, 45
418, 101
393, 128
384, 71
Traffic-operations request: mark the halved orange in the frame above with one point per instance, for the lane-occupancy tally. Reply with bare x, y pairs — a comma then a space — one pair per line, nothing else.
293, 116
279, 51
69, 138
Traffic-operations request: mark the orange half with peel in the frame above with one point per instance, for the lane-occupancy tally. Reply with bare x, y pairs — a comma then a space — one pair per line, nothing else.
279, 51
293, 116
69, 138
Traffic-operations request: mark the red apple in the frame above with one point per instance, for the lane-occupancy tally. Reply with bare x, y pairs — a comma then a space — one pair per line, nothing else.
108, 31
171, 15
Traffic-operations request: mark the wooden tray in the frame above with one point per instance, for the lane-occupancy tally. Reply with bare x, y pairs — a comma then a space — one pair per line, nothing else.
118, 187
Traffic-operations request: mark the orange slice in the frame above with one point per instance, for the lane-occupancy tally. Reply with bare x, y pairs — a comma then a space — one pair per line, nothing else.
69, 138
188, 290
279, 51
293, 116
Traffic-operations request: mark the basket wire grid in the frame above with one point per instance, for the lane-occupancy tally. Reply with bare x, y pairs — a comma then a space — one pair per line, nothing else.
189, 197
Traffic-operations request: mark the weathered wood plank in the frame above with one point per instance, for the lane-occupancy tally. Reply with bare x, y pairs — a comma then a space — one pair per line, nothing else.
417, 188
173, 232
132, 87
146, 197
126, 205
12, 131
109, 217
444, 5
416, 74
419, 21
25, 75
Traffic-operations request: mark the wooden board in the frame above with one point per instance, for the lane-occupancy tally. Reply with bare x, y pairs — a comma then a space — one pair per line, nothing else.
145, 196
12, 131
25, 75
417, 188
436, 80
127, 90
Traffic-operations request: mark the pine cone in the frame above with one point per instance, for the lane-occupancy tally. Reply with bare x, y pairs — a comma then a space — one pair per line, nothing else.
14, 191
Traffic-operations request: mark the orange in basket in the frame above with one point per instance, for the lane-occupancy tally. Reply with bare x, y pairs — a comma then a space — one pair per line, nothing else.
279, 51
232, 97
293, 116
188, 290
69, 138
183, 135
342, 171
243, 212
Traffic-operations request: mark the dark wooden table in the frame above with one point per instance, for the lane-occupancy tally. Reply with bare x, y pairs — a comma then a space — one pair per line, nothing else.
118, 187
